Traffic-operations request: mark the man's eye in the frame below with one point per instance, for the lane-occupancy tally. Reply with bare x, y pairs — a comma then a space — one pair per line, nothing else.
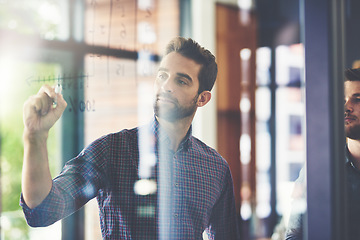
181, 82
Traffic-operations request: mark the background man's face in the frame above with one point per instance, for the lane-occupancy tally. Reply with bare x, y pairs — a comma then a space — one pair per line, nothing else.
352, 109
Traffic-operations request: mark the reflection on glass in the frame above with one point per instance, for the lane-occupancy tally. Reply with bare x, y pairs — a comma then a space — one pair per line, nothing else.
263, 64
290, 132
263, 140
289, 152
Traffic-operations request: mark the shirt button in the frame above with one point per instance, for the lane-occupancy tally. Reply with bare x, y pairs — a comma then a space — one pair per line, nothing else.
176, 215
176, 185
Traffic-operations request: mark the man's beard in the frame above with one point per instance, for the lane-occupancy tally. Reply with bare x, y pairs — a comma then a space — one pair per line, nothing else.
177, 112
353, 132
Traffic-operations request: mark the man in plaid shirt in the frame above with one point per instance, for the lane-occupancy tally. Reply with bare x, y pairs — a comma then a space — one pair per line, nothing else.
195, 191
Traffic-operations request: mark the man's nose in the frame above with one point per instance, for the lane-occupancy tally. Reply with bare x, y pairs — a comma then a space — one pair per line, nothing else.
347, 106
166, 86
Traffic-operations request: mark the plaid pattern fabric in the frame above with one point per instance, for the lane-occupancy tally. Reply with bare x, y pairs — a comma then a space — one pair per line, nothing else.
195, 191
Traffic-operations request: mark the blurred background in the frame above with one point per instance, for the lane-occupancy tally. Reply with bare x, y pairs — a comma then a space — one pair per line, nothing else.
104, 54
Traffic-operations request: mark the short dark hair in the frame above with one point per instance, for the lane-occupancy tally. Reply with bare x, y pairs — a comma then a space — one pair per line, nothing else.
352, 74
187, 47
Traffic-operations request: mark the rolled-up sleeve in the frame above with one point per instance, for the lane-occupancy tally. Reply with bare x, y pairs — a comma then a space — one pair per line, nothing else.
79, 182
52, 209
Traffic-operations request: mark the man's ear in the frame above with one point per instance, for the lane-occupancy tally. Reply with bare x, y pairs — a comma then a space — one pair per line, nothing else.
203, 98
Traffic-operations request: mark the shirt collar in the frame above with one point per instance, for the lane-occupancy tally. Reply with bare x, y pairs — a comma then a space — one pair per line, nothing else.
162, 137
347, 154
348, 158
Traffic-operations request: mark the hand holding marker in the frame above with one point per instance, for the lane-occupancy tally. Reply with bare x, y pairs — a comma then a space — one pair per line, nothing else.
57, 91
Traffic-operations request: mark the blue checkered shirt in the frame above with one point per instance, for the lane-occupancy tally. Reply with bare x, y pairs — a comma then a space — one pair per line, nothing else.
196, 196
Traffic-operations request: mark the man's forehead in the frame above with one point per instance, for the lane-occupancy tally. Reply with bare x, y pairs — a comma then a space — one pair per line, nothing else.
352, 84
175, 62
352, 87
175, 57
